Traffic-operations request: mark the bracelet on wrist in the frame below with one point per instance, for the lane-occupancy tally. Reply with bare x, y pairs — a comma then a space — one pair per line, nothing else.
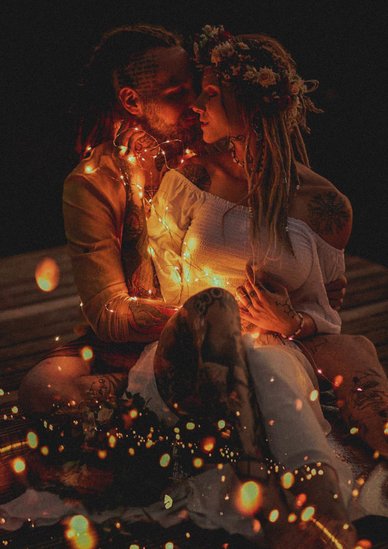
298, 331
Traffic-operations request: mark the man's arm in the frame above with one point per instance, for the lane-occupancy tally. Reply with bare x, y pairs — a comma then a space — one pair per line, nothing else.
94, 205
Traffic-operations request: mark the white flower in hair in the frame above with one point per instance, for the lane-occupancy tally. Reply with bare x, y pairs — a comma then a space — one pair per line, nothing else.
265, 76
212, 31
225, 49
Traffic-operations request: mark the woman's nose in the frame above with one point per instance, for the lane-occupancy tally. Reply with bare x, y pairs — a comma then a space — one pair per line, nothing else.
198, 105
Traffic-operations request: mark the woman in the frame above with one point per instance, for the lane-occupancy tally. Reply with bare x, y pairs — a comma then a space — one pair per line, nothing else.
200, 238
263, 161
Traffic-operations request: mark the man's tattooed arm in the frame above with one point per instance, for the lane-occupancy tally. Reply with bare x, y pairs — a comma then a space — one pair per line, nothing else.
330, 215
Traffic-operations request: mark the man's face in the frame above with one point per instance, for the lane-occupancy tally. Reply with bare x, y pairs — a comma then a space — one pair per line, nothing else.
166, 94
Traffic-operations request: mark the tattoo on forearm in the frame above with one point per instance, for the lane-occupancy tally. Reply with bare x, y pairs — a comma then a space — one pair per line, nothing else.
288, 309
197, 174
144, 317
327, 213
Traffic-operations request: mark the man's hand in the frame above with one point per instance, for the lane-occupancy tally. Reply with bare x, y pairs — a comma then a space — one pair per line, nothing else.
336, 292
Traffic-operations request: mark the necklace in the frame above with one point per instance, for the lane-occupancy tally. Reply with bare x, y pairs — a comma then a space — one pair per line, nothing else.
232, 149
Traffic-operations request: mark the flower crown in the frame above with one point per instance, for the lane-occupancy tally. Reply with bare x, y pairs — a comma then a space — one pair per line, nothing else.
253, 63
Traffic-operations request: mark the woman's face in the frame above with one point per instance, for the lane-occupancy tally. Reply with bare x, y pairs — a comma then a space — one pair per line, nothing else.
218, 110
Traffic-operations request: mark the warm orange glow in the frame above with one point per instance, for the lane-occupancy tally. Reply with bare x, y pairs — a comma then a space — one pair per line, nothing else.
19, 465
47, 274
249, 497
364, 544
300, 500
112, 440
44, 450
165, 460
292, 517
337, 381
298, 405
131, 451
32, 440
287, 480
197, 462
208, 444
256, 526
386, 429
307, 513
133, 413
102, 454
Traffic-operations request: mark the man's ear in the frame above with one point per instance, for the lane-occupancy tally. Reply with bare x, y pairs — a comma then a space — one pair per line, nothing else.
130, 101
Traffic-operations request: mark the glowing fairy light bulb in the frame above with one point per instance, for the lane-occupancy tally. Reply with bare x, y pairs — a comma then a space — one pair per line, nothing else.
112, 441
165, 460
32, 440
198, 462
221, 424
307, 513
19, 465
131, 159
88, 168
87, 353
249, 497
47, 274
314, 395
287, 480
354, 430
190, 425
80, 534
337, 381
273, 515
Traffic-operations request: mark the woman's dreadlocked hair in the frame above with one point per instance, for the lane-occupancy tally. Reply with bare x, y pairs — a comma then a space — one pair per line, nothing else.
274, 105
109, 65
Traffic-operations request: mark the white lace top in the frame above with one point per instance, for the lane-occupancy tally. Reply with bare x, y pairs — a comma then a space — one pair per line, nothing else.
195, 246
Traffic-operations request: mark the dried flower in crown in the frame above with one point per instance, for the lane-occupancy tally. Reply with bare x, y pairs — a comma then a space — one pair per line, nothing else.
254, 63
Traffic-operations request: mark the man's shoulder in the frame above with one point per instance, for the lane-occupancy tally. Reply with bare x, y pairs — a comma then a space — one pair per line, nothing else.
196, 170
324, 207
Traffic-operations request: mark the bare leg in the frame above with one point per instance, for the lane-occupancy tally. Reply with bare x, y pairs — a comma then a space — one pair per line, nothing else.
65, 382
362, 389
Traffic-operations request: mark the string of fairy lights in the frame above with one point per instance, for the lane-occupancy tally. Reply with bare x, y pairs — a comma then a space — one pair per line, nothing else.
185, 449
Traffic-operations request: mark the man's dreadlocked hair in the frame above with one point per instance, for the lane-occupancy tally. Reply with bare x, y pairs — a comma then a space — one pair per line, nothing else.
113, 64
272, 96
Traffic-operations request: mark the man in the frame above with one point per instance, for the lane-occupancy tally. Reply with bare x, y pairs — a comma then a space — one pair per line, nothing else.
137, 92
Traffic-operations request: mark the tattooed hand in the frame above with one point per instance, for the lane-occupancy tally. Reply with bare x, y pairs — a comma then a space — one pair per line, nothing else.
265, 303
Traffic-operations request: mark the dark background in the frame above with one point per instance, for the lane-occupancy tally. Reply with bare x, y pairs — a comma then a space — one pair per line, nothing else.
44, 45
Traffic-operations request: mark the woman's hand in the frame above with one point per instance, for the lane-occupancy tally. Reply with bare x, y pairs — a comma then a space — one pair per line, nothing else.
336, 292
265, 303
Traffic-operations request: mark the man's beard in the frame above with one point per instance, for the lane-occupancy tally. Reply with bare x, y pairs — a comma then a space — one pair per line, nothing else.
154, 124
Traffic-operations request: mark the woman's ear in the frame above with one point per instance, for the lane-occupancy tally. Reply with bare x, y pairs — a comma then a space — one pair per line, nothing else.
130, 101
